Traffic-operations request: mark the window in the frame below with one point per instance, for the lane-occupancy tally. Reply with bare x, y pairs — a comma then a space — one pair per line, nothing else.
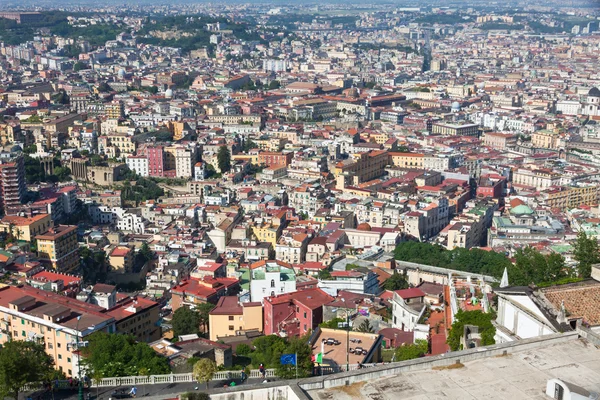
231, 317
22, 321
272, 282
304, 327
58, 345
50, 346
60, 356
69, 360
304, 316
23, 333
230, 327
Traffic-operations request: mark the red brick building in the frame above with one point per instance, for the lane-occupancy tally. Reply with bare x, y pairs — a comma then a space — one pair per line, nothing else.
271, 158
294, 313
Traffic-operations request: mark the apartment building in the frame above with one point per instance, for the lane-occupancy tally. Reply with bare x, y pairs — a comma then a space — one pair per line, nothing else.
26, 228
295, 314
545, 139
271, 158
361, 167
407, 160
565, 197
121, 259
232, 318
499, 141
58, 248
56, 321
270, 278
455, 130
12, 185
138, 164
540, 179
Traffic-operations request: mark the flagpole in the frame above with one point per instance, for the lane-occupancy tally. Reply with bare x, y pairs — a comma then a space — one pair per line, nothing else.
296, 355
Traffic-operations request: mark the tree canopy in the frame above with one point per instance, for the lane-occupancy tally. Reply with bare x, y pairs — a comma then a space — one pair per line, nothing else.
268, 351
531, 266
22, 362
411, 351
204, 370
395, 282
185, 321
224, 159
586, 253
478, 318
120, 355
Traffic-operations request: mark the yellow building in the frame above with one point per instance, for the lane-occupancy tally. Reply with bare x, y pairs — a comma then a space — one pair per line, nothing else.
564, 197
230, 318
407, 160
267, 233
58, 248
121, 259
123, 142
362, 167
545, 139
54, 320
25, 228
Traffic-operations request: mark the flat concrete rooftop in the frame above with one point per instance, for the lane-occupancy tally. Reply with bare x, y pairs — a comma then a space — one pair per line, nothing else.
518, 375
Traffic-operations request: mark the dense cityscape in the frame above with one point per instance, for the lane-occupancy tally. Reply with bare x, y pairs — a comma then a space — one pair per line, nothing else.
300, 201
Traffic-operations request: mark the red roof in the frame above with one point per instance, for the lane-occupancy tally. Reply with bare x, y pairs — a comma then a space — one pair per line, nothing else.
410, 293
311, 298
120, 251
54, 276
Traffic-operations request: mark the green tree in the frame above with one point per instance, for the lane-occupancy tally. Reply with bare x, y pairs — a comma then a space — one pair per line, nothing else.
185, 321
78, 66
324, 274
395, 282
477, 318
146, 252
204, 310
365, 327
224, 159
61, 97
204, 370
104, 88
62, 173
332, 323
410, 351
120, 355
586, 253
22, 362
243, 350
274, 85
32, 148
300, 347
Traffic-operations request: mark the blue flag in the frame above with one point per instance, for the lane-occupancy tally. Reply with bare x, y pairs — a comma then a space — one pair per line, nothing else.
288, 359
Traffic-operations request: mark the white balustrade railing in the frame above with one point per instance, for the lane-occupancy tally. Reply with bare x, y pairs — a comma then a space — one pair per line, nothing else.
187, 377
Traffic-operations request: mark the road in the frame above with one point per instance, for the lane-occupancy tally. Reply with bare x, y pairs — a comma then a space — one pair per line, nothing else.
168, 390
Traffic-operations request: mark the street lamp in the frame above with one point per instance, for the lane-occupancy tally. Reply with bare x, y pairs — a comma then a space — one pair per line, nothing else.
80, 383
347, 335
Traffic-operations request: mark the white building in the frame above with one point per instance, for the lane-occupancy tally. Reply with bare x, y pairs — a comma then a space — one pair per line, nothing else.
199, 171
408, 305
351, 281
519, 317
138, 164
132, 222
270, 278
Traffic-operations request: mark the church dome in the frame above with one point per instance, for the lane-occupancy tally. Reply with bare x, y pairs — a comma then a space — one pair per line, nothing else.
521, 210
363, 227
594, 92
169, 93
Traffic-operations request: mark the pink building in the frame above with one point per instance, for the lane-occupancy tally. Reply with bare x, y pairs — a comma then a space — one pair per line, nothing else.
156, 160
